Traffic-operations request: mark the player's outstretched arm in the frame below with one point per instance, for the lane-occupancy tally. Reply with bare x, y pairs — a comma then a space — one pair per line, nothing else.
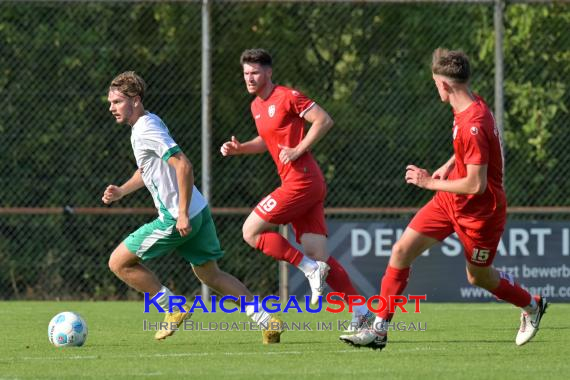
234, 147
321, 123
113, 193
185, 180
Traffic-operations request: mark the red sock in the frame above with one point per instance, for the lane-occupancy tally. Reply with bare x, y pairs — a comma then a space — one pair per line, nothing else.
276, 246
508, 290
393, 284
338, 279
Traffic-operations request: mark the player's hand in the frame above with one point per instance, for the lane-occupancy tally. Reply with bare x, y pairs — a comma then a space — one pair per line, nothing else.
417, 176
112, 194
231, 147
183, 225
443, 172
287, 154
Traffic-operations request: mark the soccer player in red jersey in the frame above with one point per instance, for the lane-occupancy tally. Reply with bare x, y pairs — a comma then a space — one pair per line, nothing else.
469, 200
280, 114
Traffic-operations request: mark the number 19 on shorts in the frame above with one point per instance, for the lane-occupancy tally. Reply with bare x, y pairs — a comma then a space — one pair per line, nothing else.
267, 204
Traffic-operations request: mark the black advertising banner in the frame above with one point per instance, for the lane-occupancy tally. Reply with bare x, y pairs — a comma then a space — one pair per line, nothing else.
537, 254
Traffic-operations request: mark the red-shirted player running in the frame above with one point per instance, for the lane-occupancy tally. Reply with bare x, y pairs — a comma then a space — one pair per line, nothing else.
469, 200
280, 114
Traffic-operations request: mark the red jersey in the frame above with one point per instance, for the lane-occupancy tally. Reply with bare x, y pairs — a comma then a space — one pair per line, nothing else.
476, 141
279, 121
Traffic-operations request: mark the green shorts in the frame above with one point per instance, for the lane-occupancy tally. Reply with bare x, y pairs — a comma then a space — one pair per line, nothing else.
159, 238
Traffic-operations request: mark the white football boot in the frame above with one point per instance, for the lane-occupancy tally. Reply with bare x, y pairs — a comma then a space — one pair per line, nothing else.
317, 281
530, 322
367, 337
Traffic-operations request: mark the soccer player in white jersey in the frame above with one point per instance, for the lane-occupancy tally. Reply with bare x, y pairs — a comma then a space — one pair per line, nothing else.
184, 223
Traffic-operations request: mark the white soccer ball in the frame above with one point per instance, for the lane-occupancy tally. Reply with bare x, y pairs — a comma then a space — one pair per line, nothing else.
67, 329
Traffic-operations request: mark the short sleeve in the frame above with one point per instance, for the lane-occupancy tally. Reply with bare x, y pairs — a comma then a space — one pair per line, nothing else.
156, 138
476, 145
300, 103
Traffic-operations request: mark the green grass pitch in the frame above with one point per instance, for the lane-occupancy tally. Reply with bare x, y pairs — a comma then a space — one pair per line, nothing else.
469, 341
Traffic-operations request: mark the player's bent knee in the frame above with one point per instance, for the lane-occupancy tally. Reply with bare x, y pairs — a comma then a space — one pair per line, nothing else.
114, 265
250, 238
111, 265
121, 259
400, 253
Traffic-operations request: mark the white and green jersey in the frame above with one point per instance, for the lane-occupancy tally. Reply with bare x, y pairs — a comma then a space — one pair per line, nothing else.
153, 146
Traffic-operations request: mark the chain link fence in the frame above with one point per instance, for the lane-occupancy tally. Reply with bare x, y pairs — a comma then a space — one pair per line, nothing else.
366, 63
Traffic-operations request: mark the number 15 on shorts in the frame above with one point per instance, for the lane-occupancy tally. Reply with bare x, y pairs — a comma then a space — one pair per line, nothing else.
480, 256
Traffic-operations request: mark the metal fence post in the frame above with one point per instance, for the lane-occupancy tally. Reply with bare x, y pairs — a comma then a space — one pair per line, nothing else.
206, 106
499, 67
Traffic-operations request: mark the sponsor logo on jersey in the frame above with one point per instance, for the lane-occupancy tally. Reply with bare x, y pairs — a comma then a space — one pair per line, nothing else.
474, 130
454, 132
257, 116
271, 110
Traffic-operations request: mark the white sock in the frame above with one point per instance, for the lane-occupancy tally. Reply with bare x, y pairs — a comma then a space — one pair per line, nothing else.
261, 317
361, 310
532, 307
307, 265
163, 300
379, 325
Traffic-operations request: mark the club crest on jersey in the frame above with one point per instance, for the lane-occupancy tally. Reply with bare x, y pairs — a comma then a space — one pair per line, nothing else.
271, 110
474, 130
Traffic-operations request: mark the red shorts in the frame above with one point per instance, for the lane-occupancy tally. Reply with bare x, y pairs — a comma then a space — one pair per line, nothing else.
480, 244
298, 203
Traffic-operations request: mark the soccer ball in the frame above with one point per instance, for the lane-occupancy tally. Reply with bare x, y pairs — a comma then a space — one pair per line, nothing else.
67, 329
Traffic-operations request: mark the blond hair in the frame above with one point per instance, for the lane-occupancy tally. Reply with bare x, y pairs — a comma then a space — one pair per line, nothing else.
130, 84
